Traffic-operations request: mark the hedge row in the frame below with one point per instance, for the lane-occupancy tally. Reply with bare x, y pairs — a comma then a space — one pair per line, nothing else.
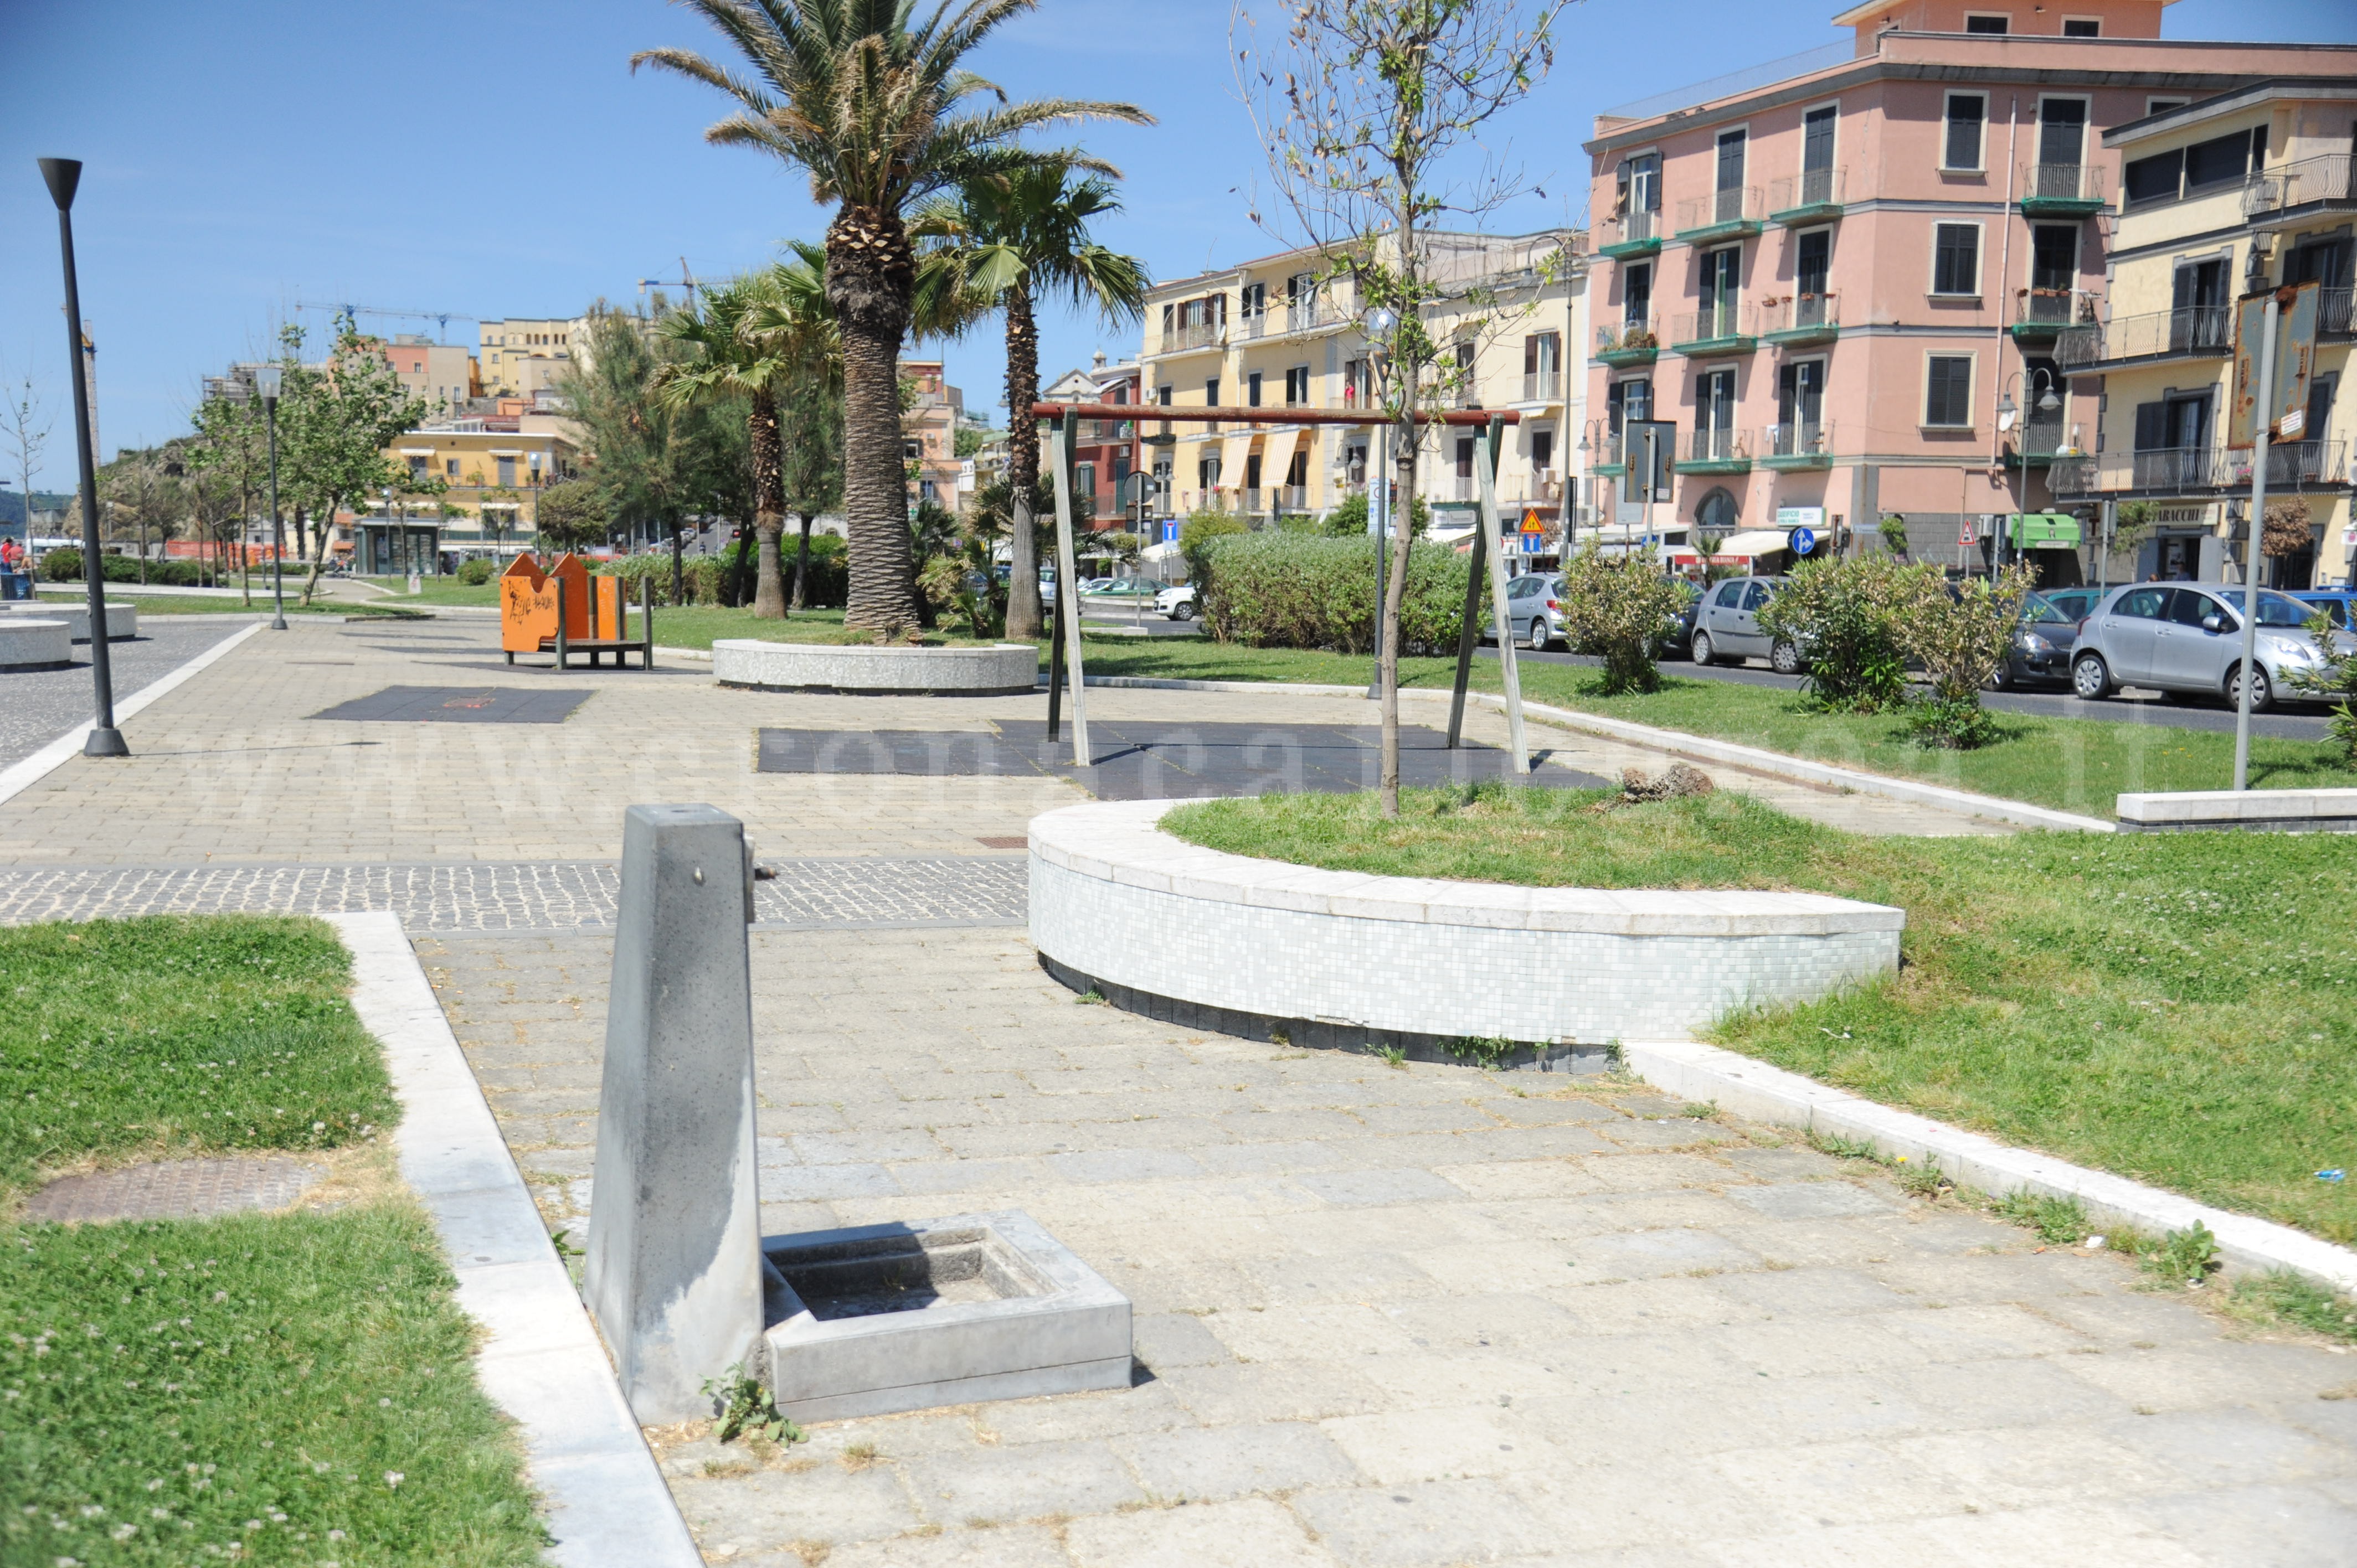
710, 579
63, 564
1296, 590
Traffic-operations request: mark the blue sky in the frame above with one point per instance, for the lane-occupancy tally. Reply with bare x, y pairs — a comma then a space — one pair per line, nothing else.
501, 160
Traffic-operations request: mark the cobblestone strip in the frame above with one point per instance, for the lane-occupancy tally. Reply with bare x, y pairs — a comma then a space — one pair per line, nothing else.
519, 897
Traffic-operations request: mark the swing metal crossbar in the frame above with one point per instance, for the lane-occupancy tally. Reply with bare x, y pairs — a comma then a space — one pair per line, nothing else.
1062, 421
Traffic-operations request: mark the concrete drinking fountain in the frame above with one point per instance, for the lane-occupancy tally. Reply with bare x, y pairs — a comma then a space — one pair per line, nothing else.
860, 1321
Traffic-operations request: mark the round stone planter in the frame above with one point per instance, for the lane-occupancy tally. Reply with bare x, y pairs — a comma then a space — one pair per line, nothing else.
1007, 668
122, 620
1263, 949
29, 643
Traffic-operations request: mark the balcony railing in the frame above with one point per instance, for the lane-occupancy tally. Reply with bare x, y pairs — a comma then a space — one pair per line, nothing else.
2333, 312
1195, 334
1801, 317
1709, 443
2318, 182
2037, 440
1105, 429
1627, 342
1806, 194
1541, 386
2160, 334
1800, 444
2200, 470
2176, 469
2061, 188
1720, 212
1310, 313
1291, 498
1464, 487
1630, 232
1718, 327
2292, 464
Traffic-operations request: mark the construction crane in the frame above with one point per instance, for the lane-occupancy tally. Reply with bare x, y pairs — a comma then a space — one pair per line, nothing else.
686, 281
441, 319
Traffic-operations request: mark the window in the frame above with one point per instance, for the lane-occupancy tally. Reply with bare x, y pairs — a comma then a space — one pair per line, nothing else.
2156, 179
2082, 27
1627, 403
2163, 105
1256, 300
1730, 595
1948, 391
2062, 131
1163, 395
1956, 258
1813, 261
1121, 479
1296, 386
1207, 473
1542, 450
1465, 456
507, 473
1210, 391
1960, 149
450, 467
2142, 604
1715, 402
1251, 389
1084, 478
1722, 286
1639, 181
1728, 205
1818, 139
1296, 472
418, 468
1357, 382
1636, 294
2225, 160
1999, 22
1800, 397
2053, 262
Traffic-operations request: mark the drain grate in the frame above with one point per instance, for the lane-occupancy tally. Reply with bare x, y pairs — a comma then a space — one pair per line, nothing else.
174, 1189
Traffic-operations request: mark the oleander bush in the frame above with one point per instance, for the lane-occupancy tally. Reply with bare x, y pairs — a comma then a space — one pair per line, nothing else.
474, 573
1614, 608
1846, 616
1280, 589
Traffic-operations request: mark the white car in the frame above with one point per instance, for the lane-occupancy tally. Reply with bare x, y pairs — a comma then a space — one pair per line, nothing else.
1177, 604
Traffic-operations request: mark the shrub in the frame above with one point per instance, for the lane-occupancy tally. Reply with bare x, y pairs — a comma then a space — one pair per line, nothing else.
1350, 518
2335, 676
699, 577
1961, 633
62, 566
1613, 608
1893, 530
1196, 535
474, 573
827, 580
1846, 615
1296, 590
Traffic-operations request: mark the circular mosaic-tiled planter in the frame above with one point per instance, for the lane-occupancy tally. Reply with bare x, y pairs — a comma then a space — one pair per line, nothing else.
1007, 668
1260, 948
29, 644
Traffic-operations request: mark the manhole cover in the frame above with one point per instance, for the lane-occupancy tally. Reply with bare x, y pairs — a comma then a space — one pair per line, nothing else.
176, 1189
461, 705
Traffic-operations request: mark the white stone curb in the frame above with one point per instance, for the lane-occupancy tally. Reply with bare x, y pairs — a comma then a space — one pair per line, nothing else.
1775, 763
1764, 1093
541, 1360
33, 770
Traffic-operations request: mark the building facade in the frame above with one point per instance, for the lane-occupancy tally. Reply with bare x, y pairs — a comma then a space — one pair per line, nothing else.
493, 470
521, 355
929, 438
1837, 296
1281, 331
2222, 201
441, 373
1105, 455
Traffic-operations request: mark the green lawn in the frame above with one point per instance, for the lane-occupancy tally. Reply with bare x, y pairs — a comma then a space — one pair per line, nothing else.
2180, 1008
2075, 765
433, 591
271, 1389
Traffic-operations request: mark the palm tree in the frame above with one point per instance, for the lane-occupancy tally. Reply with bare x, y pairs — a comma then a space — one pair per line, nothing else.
1019, 238
732, 363
793, 322
875, 110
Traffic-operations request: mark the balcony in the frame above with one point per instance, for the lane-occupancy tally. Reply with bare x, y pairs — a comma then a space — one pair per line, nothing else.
2036, 443
1630, 343
1722, 215
2292, 465
1099, 429
1814, 197
2195, 332
1798, 446
1613, 460
2061, 191
2300, 192
1798, 321
1703, 334
1636, 234
2333, 312
1715, 451
1542, 387
1195, 334
2039, 314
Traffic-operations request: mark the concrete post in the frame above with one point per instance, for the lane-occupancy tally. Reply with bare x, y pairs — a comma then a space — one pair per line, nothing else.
673, 1268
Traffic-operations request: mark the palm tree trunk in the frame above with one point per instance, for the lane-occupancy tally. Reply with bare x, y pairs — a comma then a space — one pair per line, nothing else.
802, 566
769, 505
1023, 609
869, 272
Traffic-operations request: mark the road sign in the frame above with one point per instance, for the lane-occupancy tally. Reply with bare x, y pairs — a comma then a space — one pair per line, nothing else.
1966, 536
1803, 541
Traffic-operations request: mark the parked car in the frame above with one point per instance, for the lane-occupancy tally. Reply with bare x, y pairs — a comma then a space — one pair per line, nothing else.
2042, 642
1121, 590
1677, 637
1726, 627
1177, 602
2341, 604
1534, 610
2187, 639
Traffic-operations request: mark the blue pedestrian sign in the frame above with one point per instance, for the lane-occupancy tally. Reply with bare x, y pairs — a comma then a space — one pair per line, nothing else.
1803, 540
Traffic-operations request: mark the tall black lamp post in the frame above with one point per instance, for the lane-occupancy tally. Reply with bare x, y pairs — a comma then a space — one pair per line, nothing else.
267, 381
63, 176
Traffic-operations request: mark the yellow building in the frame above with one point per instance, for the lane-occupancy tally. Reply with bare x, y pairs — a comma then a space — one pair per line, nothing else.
2221, 201
494, 477
1281, 332
521, 355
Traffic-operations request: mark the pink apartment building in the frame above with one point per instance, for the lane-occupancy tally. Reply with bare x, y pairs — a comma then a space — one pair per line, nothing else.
1835, 296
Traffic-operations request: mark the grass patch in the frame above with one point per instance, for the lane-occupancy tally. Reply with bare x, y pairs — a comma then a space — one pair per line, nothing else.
247, 1390
434, 591
2073, 765
178, 1035
2179, 1008
201, 604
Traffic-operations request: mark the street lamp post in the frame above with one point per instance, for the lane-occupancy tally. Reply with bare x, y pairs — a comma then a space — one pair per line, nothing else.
62, 175
268, 381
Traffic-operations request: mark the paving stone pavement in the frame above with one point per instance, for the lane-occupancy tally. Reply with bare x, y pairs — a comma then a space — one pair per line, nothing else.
38, 706
1415, 1317
559, 895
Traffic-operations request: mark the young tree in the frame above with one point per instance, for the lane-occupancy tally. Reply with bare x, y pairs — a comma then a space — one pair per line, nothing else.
230, 449
1363, 107
876, 107
570, 514
1016, 239
24, 431
335, 425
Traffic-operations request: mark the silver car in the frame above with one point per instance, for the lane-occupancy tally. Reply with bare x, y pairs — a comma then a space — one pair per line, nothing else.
2187, 638
1534, 610
1726, 627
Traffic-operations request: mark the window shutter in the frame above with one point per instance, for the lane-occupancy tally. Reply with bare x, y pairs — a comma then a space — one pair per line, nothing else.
2151, 426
